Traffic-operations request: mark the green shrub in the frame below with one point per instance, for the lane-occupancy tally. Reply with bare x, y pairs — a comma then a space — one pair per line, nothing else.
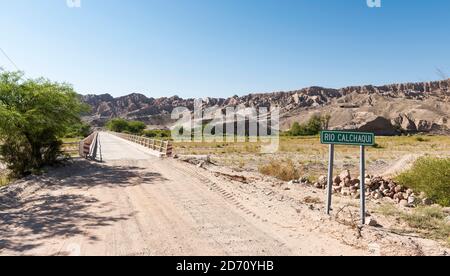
34, 115
117, 125
78, 130
136, 127
429, 175
313, 127
123, 126
157, 133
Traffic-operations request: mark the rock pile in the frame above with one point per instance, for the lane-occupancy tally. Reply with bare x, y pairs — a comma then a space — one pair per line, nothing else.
376, 188
304, 181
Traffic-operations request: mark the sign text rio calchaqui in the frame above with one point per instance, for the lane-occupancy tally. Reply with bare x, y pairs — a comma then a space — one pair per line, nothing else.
347, 138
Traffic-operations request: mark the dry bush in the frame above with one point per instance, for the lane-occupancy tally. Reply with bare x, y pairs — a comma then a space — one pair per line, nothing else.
283, 170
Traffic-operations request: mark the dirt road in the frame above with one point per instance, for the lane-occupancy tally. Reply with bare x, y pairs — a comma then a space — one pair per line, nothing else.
136, 204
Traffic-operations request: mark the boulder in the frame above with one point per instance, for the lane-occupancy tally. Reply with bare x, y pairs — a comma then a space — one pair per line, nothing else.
371, 222
304, 180
337, 180
345, 175
337, 190
399, 196
323, 180
409, 192
411, 200
345, 192
384, 187
318, 185
347, 182
446, 210
398, 189
391, 195
378, 195
404, 203
427, 201
392, 185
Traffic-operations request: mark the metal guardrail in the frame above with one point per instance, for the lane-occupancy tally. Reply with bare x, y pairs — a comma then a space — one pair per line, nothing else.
163, 147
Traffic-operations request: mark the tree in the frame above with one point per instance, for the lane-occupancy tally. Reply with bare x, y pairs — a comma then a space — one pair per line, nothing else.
122, 125
296, 129
78, 130
34, 115
136, 127
312, 127
117, 125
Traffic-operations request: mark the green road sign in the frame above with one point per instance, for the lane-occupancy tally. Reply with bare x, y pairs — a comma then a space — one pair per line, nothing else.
347, 138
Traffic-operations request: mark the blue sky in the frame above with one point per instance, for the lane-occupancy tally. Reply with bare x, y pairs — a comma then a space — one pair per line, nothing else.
219, 48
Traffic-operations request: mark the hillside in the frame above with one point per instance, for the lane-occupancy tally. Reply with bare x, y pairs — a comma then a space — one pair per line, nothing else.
386, 110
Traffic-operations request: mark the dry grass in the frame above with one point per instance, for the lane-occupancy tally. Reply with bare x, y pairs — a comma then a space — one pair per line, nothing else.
309, 152
427, 221
284, 170
388, 210
430, 221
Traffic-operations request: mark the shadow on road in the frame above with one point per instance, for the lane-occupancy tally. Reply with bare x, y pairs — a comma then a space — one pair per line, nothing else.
26, 223
89, 174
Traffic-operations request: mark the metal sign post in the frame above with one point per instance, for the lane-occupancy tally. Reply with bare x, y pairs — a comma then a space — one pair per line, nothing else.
330, 179
363, 184
361, 139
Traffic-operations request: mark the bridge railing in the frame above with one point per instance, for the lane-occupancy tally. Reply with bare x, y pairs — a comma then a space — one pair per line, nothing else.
89, 147
163, 147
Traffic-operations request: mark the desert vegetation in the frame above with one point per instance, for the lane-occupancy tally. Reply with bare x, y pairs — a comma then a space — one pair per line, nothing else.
313, 127
135, 127
284, 170
34, 115
427, 221
431, 176
157, 133
79, 130
124, 126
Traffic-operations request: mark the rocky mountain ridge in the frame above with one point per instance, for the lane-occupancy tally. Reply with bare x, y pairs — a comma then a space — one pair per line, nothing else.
388, 109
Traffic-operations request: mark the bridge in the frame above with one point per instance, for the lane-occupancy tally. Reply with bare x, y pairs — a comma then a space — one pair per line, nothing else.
106, 146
